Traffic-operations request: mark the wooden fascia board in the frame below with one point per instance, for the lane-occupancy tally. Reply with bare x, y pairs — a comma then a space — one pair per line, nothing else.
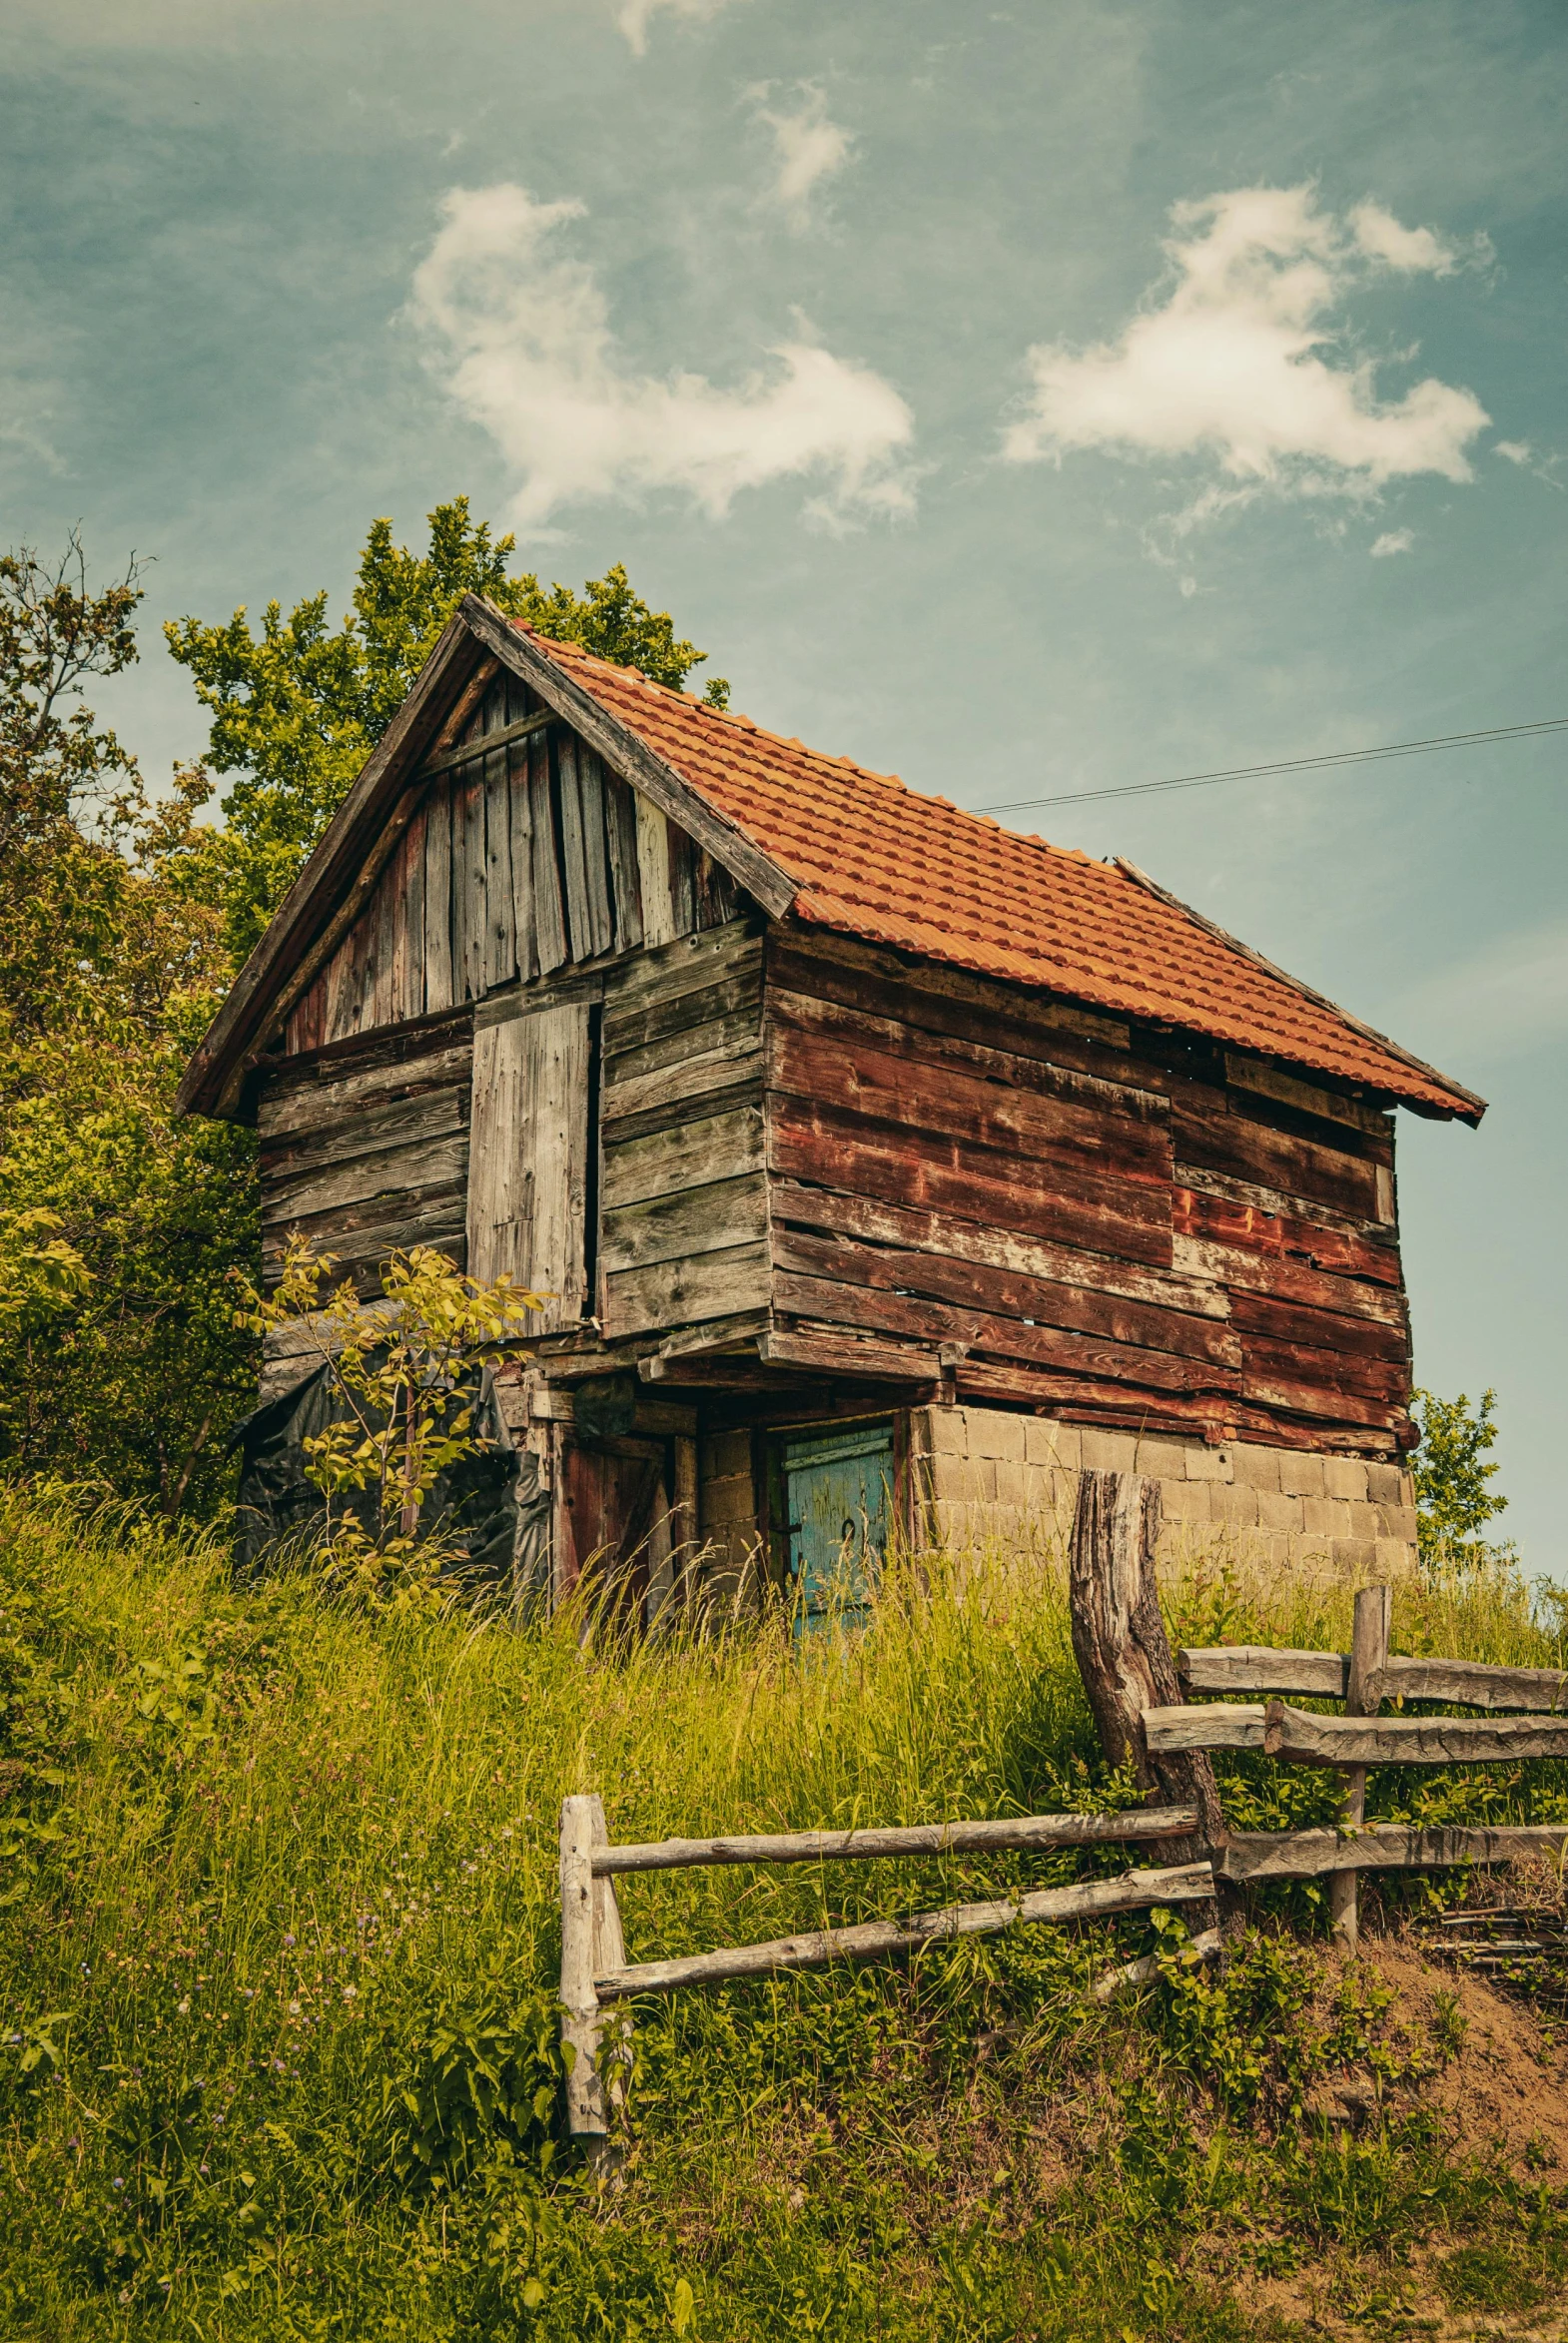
216, 1074
629, 756
1468, 1107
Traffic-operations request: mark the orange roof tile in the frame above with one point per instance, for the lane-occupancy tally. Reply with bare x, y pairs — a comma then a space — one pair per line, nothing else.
875, 859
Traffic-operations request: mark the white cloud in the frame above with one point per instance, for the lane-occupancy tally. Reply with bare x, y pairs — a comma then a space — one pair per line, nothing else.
521, 337
1413, 250
1516, 451
635, 16
1231, 360
807, 149
1392, 540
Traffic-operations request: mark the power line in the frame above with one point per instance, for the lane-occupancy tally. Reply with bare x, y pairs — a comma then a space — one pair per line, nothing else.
1343, 756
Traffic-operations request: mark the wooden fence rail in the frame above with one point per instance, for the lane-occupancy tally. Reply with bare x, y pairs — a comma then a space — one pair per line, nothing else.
595, 1974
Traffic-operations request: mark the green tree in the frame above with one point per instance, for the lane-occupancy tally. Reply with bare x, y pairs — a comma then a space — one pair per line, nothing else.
1452, 1497
120, 1361
296, 708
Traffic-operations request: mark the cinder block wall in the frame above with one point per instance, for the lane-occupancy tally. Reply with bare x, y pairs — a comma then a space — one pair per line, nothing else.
982, 1473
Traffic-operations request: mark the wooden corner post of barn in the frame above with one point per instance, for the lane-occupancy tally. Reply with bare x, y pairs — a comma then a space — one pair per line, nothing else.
1120, 1640
1363, 1697
592, 1947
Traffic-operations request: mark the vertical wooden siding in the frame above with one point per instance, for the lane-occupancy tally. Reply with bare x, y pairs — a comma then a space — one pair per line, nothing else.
521, 861
1094, 1220
529, 1188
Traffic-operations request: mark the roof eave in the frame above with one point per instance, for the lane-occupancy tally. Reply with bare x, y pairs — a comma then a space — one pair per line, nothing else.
1465, 1105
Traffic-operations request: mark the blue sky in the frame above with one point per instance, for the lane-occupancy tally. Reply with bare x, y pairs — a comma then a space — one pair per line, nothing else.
1028, 400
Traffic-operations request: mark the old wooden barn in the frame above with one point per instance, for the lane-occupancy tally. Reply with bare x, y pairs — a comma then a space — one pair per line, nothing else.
874, 1156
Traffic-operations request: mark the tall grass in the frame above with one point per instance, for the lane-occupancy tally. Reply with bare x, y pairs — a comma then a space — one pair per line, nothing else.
278, 1932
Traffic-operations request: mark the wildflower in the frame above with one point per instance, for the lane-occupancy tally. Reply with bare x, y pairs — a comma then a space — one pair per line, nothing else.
350, 1992
184, 2007
117, 2184
288, 1940
293, 2009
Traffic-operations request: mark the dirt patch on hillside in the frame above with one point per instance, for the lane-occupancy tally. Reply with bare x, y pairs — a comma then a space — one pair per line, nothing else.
1505, 2089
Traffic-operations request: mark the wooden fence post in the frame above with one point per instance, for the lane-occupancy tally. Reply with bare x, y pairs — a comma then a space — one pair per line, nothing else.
1363, 1696
1118, 1637
582, 2025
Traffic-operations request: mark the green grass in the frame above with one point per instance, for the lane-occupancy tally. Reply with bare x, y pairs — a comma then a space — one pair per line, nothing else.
278, 1936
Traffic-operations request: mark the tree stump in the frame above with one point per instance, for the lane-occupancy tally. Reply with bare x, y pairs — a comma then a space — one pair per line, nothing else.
1120, 1640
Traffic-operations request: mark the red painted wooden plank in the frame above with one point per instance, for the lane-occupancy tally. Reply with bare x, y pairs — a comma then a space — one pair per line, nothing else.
1005, 1293
913, 1095
845, 1150
937, 1321
1197, 1214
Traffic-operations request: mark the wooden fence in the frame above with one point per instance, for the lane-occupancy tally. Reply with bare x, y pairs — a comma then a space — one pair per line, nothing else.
595, 1974
1135, 1687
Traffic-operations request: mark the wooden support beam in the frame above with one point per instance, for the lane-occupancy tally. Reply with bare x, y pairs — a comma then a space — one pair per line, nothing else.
876, 1940
1253, 1856
1368, 1658
487, 742
1024, 1831
848, 1356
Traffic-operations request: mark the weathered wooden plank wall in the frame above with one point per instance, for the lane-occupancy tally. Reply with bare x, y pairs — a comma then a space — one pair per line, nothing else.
684, 1193
529, 1188
1094, 1218
368, 1151
516, 862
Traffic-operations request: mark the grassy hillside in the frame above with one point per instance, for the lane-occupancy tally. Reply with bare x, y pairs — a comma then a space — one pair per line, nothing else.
278, 1934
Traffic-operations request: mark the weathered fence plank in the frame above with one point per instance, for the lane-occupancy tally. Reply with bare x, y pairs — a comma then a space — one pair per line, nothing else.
1304, 1739
1250, 1856
874, 1939
1024, 1831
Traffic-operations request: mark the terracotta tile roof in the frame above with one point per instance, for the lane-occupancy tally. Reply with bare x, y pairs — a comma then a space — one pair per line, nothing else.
875, 859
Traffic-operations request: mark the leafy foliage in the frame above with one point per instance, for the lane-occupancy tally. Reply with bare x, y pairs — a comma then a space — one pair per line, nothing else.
404, 1374
1452, 1496
297, 709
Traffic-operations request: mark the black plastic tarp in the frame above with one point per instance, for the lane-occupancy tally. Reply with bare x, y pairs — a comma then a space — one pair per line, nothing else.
491, 1502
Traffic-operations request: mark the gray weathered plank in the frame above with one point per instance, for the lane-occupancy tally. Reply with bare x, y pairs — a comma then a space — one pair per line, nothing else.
393, 1123
438, 991
678, 1293
1224, 1724
434, 1163
683, 1092
468, 921
1020, 1831
1246, 1666
876, 1940
716, 1147
529, 1187
324, 1099
595, 853
519, 814
500, 943
1306, 1854
549, 916
620, 831
588, 2114
653, 873
1470, 1684
691, 1221
580, 924
1302, 1739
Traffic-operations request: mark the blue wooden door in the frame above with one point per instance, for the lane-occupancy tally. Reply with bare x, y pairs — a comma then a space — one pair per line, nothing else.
839, 1490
